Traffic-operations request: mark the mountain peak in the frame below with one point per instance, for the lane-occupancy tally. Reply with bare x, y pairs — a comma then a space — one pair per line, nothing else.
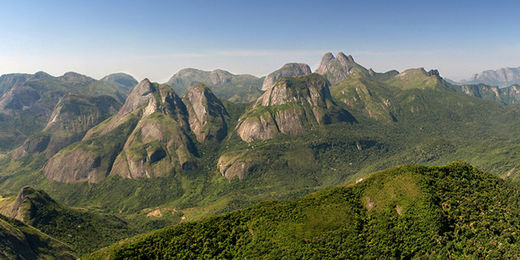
30, 195
139, 96
296, 103
327, 57
121, 78
41, 75
76, 77
336, 69
287, 70
207, 115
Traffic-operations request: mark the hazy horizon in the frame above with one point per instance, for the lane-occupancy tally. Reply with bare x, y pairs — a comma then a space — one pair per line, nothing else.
157, 39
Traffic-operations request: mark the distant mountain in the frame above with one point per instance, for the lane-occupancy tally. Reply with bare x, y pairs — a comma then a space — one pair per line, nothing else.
506, 95
451, 211
124, 80
148, 137
339, 68
237, 88
503, 77
287, 70
27, 101
72, 117
290, 107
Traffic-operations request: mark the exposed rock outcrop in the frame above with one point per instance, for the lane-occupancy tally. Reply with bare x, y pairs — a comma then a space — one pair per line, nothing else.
22, 207
27, 101
287, 70
148, 137
503, 77
336, 69
159, 144
72, 117
235, 166
207, 115
290, 107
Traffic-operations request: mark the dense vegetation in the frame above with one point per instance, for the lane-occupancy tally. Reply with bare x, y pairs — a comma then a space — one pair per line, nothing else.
20, 241
452, 211
83, 230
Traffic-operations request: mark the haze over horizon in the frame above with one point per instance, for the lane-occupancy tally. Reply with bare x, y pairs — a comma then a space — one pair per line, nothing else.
156, 39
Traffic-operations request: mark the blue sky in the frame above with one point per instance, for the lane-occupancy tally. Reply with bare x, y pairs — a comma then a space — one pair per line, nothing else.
155, 39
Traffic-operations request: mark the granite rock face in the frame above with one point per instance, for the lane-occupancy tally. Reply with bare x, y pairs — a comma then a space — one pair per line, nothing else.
207, 115
503, 77
287, 70
336, 69
72, 117
290, 107
148, 137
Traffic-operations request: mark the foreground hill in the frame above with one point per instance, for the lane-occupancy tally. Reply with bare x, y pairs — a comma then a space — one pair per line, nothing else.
83, 230
20, 241
451, 211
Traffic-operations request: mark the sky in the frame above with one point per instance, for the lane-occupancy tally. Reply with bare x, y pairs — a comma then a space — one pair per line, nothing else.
155, 39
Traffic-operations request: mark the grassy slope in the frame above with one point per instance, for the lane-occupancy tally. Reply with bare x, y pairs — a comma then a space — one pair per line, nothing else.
454, 210
84, 231
20, 241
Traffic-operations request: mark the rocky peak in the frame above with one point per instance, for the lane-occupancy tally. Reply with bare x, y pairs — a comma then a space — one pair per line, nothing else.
28, 195
327, 58
139, 96
207, 115
290, 107
344, 58
313, 90
287, 70
148, 138
336, 69
72, 117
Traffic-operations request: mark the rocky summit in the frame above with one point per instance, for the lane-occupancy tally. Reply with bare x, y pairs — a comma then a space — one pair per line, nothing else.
287, 70
336, 69
289, 107
72, 117
146, 138
150, 136
207, 115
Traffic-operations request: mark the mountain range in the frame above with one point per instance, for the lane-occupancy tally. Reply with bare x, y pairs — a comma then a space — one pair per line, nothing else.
207, 143
503, 77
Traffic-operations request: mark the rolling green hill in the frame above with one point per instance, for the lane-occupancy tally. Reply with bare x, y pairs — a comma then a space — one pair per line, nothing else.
83, 230
20, 241
451, 211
